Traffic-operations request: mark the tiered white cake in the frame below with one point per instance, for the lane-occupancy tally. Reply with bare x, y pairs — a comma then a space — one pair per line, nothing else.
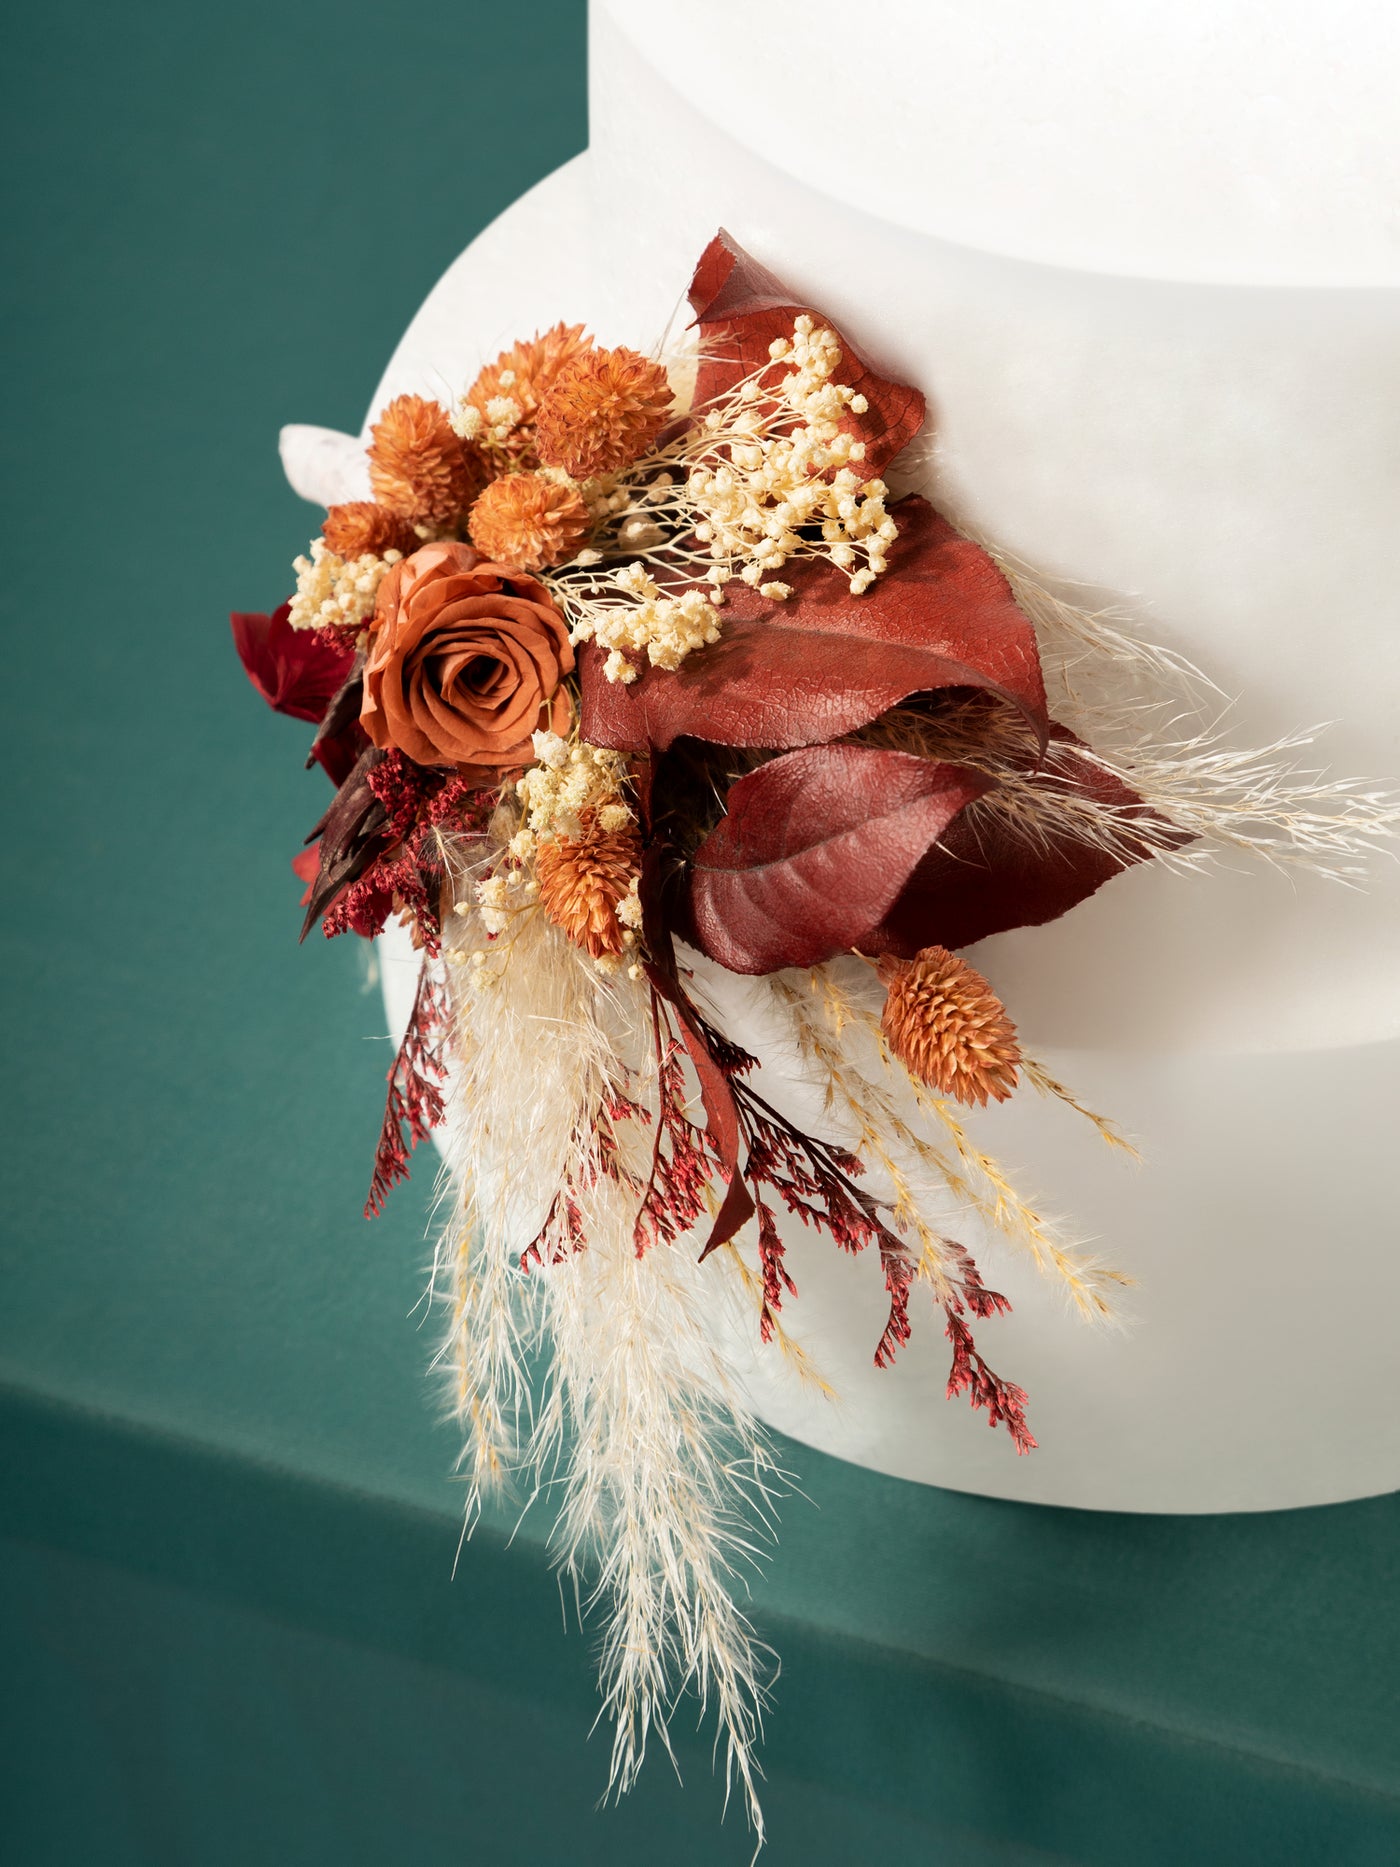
1145, 264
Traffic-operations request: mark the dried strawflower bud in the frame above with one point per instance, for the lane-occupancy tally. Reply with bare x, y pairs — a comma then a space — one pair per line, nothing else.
583, 881
529, 520
521, 375
601, 411
418, 467
361, 527
948, 1027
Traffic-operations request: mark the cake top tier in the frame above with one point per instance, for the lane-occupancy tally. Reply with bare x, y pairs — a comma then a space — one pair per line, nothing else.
1246, 142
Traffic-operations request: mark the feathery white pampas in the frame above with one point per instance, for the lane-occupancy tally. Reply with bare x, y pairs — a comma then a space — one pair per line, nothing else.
1158, 723
664, 1483
668, 1488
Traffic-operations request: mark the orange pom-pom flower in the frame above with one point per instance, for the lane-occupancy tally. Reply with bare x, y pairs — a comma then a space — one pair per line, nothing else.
530, 520
522, 375
360, 526
948, 1027
583, 879
419, 469
601, 411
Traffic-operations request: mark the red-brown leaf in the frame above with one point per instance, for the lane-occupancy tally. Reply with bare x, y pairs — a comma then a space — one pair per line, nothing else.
814, 851
824, 662
340, 739
352, 833
294, 670
979, 879
740, 308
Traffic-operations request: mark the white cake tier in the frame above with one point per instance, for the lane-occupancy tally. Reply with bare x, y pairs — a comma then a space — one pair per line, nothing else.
1244, 142
1222, 459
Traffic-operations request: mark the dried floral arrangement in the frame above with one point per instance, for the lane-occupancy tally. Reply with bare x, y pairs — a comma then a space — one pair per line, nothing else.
692, 757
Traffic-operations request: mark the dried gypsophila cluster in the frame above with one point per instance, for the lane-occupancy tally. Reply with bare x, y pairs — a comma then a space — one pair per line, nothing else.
765, 454
573, 853
665, 629
732, 496
569, 781
334, 592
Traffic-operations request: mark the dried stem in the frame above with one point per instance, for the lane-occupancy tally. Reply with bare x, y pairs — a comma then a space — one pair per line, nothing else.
974, 1178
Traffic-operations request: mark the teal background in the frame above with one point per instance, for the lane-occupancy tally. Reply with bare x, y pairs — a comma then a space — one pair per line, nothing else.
230, 1628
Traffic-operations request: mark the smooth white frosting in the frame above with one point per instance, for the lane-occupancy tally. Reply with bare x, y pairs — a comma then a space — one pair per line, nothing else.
1222, 458
1235, 141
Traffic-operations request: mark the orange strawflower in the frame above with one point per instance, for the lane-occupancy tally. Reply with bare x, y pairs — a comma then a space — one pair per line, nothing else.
601, 411
521, 375
361, 526
582, 881
948, 1027
418, 467
529, 520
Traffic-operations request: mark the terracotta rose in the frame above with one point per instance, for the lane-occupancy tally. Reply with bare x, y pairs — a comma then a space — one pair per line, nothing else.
465, 660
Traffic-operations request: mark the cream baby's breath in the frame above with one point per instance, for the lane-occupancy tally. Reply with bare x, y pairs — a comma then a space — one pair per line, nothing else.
663, 628
335, 592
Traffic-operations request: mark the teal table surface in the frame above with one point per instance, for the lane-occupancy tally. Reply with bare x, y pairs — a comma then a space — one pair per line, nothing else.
231, 1629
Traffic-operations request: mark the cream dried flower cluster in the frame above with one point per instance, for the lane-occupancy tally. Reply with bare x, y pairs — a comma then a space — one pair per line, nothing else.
761, 479
663, 628
574, 855
493, 425
335, 592
568, 783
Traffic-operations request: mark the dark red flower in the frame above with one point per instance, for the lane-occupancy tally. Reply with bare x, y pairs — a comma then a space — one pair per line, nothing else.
297, 671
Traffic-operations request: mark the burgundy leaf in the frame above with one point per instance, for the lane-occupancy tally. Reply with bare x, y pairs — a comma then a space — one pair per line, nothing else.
721, 1126
981, 879
353, 833
297, 671
814, 851
824, 662
340, 739
740, 308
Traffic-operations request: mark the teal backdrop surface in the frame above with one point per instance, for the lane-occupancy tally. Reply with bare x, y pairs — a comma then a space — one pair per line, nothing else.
231, 1630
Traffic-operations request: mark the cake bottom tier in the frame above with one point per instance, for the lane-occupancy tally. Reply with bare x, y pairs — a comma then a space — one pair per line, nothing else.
1256, 1369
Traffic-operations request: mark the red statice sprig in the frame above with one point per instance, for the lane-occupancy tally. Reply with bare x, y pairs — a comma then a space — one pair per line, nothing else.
1004, 1401
562, 1233
382, 844
415, 1099
776, 1277
815, 1180
683, 1161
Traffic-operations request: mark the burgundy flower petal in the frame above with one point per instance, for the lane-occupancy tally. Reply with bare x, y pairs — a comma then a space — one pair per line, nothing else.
295, 670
